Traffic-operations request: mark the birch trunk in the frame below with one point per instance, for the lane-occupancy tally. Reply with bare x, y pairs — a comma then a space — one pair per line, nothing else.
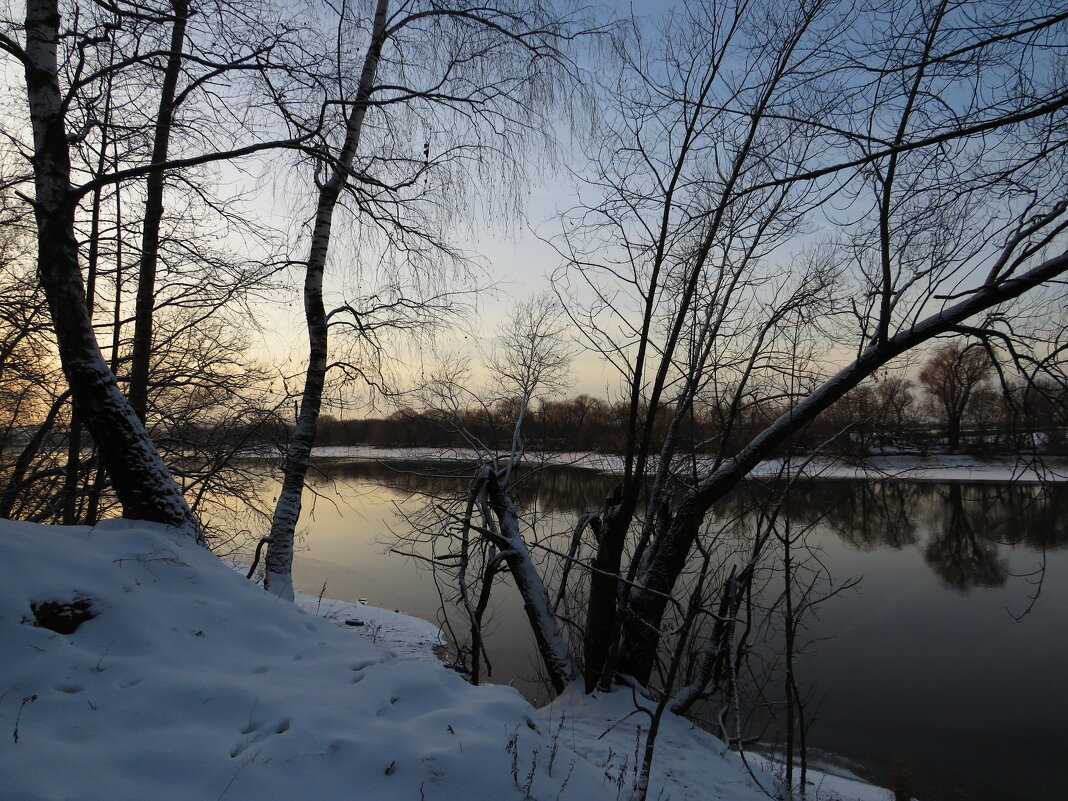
278, 564
142, 482
536, 604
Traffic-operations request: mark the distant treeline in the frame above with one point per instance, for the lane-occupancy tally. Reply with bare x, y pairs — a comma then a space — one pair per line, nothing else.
884, 415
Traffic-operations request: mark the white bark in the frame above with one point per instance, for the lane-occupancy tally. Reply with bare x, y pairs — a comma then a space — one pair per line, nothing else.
141, 480
536, 604
279, 559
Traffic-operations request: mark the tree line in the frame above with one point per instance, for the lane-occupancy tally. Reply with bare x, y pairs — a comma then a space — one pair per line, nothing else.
949, 408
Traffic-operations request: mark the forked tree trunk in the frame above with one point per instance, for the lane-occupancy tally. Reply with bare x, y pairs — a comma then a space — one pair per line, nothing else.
647, 605
142, 482
278, 564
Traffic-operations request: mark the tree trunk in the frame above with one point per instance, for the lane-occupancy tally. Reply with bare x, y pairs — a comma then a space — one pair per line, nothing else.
536, 604
602, 606
641, 625
953, 432
145, 307
142, 482
278, 564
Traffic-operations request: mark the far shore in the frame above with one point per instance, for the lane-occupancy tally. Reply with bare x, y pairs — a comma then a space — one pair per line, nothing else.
884, 467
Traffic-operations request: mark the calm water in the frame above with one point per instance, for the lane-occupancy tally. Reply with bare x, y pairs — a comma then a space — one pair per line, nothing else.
923, 662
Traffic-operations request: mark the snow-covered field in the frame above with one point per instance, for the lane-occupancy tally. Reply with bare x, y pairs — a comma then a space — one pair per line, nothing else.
945, 467
184, 681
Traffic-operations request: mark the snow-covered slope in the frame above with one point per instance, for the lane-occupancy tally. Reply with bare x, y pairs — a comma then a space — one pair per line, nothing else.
189, 683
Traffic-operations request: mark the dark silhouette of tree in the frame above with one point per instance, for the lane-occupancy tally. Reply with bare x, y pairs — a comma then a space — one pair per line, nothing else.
959, 551
685, 268
952, 377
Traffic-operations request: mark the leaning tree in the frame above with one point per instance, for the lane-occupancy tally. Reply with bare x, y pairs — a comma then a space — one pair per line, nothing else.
784, 203
90, 80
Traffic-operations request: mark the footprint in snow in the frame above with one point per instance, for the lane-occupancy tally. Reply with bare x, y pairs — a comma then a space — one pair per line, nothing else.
259, 733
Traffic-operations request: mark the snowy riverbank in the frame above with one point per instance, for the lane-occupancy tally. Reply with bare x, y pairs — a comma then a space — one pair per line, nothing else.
187, 682
900, 467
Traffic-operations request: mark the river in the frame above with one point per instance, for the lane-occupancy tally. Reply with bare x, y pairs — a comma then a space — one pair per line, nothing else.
948, 656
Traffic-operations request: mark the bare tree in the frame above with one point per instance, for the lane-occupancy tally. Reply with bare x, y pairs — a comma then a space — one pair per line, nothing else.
477, 538
717, 175
474, 77
89, 85
692, 269
531, 359
146, 280
952, 377
141, 480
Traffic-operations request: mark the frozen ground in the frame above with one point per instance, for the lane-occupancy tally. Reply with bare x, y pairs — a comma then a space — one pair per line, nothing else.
946, 467
184, 681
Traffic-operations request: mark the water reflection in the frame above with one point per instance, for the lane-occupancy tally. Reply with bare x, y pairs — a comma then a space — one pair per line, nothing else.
552, 489
867, 515
961, 526
905, 665
957, 552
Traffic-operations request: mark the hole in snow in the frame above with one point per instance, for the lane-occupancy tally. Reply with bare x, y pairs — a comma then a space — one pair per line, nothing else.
62, 617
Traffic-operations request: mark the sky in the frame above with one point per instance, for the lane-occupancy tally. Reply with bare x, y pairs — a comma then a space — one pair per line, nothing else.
513, 260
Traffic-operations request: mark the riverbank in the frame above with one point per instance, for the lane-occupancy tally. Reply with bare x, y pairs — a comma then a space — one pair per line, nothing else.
887, 467
134, 664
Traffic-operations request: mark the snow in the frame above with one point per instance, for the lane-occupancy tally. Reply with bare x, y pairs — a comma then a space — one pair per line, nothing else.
944, 467
402, 635
690, 763
191, 683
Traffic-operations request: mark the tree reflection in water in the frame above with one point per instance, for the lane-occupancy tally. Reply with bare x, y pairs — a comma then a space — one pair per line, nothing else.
961, 556
961, 527
554, 489
973, 536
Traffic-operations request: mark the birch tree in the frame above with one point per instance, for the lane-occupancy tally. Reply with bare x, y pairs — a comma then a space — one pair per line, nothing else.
475, 78
67, 69
141, 479
476, 540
